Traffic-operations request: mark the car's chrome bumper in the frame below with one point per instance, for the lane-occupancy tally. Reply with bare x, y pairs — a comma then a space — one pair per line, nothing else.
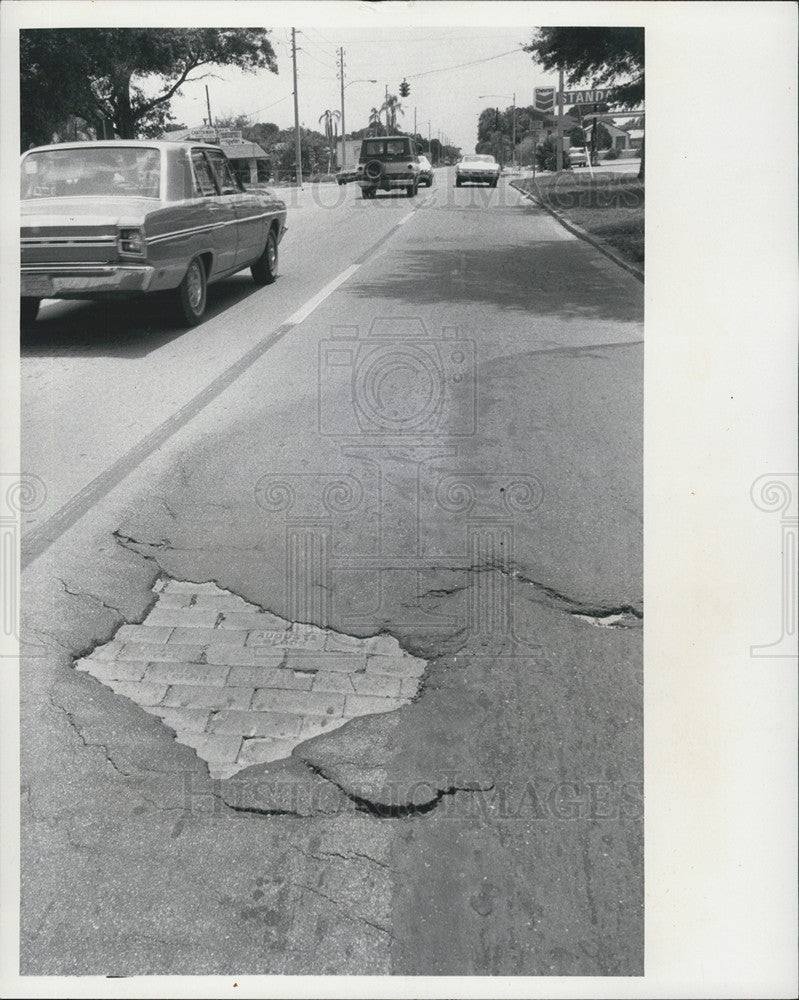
75, 281
387, 182
477, 177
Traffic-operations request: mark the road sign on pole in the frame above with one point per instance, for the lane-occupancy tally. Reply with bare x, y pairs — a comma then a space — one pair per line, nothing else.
544, 98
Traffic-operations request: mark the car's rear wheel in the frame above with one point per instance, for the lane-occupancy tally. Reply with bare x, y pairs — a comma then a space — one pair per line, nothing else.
411, 189
368, 192
264, 270
457, 182
192, 294
28, 310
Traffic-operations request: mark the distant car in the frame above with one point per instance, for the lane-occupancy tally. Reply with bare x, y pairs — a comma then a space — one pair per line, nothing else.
425, 171
388, 163
347, 174
477, 168
117, 219
578, 157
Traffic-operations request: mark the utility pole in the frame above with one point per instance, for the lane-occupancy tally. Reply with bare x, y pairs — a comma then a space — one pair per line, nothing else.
386, 109
559, 150
414, 121
343, 126
208, 103
513, 140
297, 146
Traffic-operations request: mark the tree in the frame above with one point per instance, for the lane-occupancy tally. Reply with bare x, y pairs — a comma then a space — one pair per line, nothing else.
601, 56
374, 121
493, 122
50, 90
392, 108
102, 72
330, 118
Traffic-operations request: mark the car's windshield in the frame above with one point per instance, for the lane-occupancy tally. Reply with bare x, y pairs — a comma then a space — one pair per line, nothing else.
479, 159
92, 170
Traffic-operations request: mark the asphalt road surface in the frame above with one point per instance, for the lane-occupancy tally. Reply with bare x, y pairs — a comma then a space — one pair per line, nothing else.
448, 389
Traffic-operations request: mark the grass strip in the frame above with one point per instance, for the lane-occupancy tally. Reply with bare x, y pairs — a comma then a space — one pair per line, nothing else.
608, 205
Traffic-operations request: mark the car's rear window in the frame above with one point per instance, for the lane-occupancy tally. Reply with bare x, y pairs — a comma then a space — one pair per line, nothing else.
385, 147
92, 171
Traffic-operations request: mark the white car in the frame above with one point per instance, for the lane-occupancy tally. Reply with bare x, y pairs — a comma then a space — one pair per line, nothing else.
477, 168
425, 171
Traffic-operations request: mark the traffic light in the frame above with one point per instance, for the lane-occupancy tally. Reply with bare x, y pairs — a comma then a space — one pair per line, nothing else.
404, 88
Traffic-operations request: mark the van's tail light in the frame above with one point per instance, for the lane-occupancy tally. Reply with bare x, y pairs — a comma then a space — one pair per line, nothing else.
131, 242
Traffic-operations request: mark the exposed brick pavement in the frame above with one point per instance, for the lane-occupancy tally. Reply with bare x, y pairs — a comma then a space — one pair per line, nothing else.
241, 686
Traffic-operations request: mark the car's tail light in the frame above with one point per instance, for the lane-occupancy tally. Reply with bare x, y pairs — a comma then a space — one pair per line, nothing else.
131, 242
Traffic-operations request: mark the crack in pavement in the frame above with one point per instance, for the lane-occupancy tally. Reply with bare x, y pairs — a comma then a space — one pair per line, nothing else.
385, 810
97, 746
88, 596
338, 903
345, 857
561, 602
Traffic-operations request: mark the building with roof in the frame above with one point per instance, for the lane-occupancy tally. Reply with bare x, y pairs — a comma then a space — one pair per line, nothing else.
251, 163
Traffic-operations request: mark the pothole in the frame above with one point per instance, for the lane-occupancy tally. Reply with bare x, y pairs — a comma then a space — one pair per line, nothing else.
242, 686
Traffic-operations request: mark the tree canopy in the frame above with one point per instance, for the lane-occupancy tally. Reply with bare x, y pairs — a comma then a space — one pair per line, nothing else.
600, 56
99, 74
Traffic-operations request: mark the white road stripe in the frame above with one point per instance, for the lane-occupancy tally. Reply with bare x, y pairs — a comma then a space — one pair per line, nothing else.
305, 311
39, 539
403, 221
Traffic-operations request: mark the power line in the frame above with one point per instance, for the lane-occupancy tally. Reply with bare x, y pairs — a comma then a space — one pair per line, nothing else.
474, 62
312, 56
321, 47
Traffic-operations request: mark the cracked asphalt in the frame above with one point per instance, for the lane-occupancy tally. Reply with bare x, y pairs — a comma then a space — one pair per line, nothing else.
488, 520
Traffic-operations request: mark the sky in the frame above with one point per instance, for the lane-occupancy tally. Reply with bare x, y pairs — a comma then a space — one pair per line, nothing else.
448, 70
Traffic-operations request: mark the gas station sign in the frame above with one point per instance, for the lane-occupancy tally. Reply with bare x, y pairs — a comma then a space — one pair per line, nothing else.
587, 96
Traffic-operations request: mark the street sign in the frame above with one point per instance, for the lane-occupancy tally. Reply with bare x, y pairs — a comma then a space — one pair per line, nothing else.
586, 96
544, 98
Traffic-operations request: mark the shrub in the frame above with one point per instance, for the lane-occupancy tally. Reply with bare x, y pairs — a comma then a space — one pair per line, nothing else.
546, 155
612, 154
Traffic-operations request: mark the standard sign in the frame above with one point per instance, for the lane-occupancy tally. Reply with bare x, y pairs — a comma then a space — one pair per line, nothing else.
586, 96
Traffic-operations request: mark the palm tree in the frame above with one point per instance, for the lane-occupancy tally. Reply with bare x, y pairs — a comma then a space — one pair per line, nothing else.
330, 118
374, 120
392, 107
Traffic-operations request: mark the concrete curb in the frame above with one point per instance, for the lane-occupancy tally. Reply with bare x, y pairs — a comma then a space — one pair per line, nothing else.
595, 242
